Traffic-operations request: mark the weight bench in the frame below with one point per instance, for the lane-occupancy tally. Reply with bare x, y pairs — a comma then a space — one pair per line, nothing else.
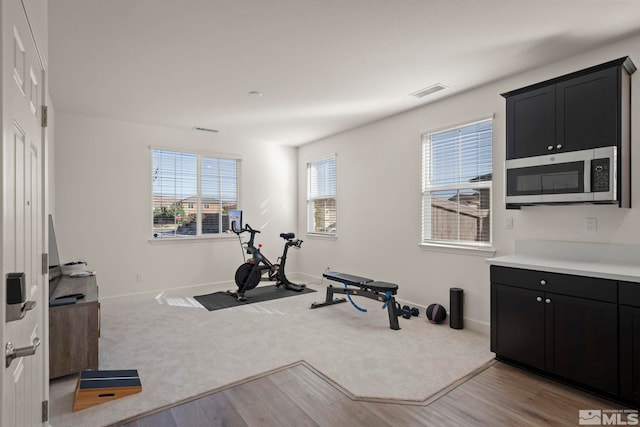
368, 288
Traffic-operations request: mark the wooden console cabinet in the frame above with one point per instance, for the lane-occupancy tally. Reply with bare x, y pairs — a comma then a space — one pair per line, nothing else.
74, 328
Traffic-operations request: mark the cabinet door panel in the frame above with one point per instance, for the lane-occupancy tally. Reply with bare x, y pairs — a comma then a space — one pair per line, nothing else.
517, 324
73, 338
581, 341
588, 111
531, 123
630, 353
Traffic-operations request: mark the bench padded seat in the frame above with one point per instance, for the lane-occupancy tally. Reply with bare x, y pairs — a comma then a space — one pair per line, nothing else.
349, 279
381, 287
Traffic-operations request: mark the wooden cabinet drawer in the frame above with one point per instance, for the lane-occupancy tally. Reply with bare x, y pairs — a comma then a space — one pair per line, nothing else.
565, 284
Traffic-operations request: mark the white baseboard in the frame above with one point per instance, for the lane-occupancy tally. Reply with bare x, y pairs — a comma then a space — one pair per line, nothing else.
201, 289
471, 324
207, 288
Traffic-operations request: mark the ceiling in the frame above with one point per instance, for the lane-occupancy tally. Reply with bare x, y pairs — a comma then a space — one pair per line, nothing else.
322, 66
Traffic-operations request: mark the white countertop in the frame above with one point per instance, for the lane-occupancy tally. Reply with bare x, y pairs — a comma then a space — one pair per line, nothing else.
615, 262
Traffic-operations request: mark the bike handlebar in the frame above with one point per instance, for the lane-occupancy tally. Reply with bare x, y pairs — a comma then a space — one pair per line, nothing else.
248, 228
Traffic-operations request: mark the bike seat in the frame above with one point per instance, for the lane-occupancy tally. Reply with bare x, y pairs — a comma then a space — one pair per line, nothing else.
288, 236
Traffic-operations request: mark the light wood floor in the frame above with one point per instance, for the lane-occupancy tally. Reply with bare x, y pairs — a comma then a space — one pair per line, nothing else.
501, 395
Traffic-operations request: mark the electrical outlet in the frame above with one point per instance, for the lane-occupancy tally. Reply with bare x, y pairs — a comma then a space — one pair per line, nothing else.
508, 223
139, 277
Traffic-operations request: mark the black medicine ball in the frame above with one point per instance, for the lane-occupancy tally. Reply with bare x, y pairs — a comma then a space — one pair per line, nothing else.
436, 313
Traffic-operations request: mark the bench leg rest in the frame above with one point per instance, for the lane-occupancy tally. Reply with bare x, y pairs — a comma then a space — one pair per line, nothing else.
393, 315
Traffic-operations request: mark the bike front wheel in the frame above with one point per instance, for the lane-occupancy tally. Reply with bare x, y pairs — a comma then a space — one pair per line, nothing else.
247, 277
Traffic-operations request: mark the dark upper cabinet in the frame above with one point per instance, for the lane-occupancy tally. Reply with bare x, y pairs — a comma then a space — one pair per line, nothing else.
581, 110
531, 122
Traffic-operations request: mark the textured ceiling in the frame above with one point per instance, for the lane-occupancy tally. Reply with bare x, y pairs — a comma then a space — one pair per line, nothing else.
323, 66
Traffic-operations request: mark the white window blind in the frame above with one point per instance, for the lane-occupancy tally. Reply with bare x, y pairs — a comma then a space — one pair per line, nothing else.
456, 185
321, 196
192, 193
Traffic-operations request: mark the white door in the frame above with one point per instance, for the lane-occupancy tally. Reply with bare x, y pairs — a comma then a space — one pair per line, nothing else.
24, 382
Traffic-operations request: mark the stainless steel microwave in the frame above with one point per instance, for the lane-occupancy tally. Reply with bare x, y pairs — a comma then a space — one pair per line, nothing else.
571, 177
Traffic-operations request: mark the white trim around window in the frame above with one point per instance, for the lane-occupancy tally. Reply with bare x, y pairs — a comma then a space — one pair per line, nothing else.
191, 194
322, 209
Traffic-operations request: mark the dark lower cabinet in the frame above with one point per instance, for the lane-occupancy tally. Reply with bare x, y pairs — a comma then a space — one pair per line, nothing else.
582, 341
630, 341
563, 325
630, 353
517, 324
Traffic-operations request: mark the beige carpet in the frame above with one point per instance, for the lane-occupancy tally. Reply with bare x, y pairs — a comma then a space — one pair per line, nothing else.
182, 350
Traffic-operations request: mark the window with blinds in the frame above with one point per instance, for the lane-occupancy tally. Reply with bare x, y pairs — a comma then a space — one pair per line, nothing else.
456, 185
192, 193
321, 196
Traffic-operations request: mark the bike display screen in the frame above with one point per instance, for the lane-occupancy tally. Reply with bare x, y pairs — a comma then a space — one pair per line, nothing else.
235, 218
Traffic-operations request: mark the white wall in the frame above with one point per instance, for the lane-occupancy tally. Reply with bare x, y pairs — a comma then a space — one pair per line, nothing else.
103, 200
379, 196
103, 203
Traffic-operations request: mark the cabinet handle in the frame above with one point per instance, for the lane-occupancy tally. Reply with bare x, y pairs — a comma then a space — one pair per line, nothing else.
548, 301
543, 282
549, 147
559, 146
539, 299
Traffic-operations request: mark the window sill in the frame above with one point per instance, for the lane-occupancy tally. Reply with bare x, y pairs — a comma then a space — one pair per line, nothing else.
194, 239
321, 236
460, 250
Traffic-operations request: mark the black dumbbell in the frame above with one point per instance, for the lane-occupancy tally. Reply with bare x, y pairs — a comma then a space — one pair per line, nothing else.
407, 311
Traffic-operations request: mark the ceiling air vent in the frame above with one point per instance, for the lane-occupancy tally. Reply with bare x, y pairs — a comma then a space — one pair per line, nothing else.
205, 129
428, 90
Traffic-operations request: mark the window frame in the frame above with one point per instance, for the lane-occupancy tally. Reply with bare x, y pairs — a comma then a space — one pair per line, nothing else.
199, 236
309, 199
462, 246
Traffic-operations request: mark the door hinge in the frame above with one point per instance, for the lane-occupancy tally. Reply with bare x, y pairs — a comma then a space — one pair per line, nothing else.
45, 118
45, 263
45, 410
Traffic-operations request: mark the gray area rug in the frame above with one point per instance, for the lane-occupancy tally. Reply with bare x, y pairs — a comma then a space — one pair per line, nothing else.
182, 350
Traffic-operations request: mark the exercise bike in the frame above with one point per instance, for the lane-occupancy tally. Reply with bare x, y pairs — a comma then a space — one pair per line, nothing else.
249, 274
